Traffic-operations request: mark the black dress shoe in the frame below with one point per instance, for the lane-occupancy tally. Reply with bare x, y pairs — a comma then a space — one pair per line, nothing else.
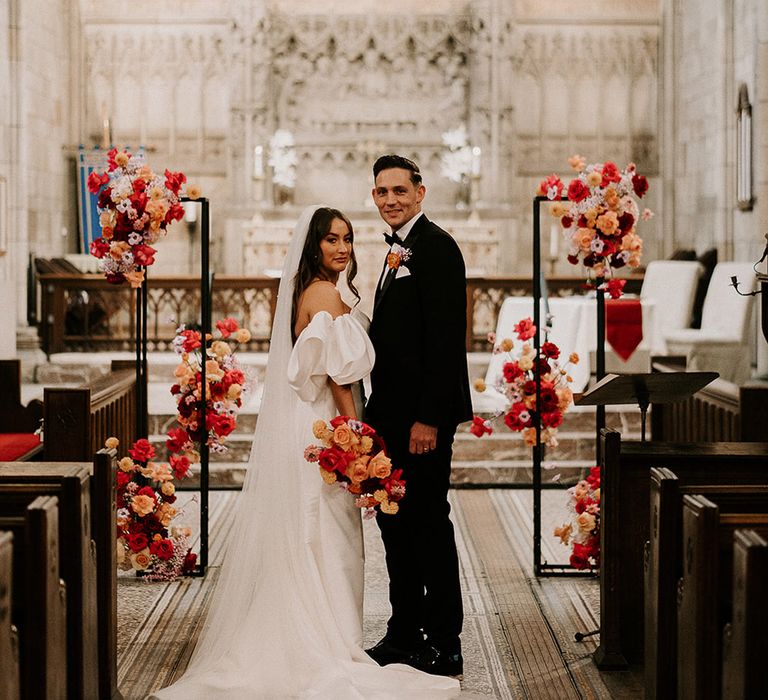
385, 652
438, 663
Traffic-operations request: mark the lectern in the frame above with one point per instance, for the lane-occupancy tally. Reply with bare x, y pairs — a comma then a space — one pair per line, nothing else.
644, 389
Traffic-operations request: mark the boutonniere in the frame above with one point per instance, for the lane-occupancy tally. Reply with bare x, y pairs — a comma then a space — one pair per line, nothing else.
397, 256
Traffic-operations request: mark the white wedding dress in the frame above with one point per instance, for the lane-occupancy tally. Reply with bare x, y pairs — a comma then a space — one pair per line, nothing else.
286, 617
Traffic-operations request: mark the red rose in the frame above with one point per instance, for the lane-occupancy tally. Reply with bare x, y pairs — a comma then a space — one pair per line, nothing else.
177, 438
147, 491
550, 350
191, 340
95, 181
626, 222
615, 287
639, 185
610, 173
549, 400
580, 556
144, 254
525, 329
123, 479
577, 190
566, 222
174, 181
594, 477
99, 248
136, 542
573, 259
551, 187
332, 459
223, 425
162, 549
552, 420
115, 278
142, 451
189, 562
513, 420
338, 420
180, 465
511, 372
479, 428
227, 327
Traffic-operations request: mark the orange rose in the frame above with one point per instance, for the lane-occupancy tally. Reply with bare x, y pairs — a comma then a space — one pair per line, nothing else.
585, 521
380, 466
344, 437
393, 261
357, 469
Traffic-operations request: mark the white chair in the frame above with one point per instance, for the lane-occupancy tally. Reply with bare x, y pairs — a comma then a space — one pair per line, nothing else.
670, 286
722, 343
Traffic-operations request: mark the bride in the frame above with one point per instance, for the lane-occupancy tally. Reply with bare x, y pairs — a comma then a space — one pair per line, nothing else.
286, 616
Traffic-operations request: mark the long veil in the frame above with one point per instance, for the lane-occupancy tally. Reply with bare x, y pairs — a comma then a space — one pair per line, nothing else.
262, 530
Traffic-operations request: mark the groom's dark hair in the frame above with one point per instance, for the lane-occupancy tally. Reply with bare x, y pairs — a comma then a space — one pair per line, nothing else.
394, 161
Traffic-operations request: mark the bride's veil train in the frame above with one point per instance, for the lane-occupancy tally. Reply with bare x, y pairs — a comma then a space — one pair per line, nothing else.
270, 632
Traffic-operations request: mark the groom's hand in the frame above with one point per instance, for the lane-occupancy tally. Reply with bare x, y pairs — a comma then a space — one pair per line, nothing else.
423, 438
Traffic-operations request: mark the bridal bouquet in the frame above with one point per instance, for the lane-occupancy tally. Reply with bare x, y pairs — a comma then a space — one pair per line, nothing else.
518, 384
582, 531
225, 385
135, 207
146, 540
600, 216
353, 456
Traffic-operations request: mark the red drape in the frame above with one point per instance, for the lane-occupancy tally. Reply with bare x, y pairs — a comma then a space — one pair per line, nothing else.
623, 325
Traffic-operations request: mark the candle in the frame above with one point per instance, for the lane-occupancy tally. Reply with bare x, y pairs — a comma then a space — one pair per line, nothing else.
105, 135
476, 152
554, 240
258, 161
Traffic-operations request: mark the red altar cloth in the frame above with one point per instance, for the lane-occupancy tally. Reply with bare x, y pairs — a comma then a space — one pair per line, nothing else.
623, 325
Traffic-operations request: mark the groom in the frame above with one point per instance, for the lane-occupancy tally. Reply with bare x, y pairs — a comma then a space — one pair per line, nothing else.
419, 394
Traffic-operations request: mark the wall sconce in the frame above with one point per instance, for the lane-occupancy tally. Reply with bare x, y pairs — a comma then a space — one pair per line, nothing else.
744, 198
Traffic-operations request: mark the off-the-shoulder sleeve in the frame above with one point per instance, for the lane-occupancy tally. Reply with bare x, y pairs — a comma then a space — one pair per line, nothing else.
337, 348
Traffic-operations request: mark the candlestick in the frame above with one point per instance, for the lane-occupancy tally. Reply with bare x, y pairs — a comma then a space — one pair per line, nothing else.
258, 161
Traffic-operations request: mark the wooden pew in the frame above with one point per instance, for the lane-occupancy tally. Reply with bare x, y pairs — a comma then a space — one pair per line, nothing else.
39, 600
625, 485
664, 563
705, 590
77, 421
102, 527
71, 485
746, 637
17, 423
9, 638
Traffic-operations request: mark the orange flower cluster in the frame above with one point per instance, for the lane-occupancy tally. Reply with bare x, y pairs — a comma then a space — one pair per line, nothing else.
352, 455
583, 530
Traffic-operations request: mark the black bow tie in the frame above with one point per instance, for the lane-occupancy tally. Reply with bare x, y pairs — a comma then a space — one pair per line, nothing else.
393, 238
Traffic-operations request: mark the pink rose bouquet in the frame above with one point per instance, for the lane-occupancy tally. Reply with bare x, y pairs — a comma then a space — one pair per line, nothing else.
352, 455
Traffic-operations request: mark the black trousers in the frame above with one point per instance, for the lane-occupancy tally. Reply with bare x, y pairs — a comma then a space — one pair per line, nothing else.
422, 562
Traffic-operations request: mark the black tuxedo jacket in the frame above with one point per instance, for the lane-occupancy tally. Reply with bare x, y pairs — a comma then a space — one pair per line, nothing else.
418, 330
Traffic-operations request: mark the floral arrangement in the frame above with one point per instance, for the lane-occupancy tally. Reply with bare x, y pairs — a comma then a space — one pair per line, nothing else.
146, 540
353, 456
518, 384
600, 217
225, 380
582, 532
135, 207
397, 256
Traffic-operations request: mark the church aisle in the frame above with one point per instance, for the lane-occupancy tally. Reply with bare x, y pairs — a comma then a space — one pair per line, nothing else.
518, 632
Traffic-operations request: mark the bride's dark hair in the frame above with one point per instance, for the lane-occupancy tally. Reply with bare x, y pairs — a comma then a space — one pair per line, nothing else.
309, 265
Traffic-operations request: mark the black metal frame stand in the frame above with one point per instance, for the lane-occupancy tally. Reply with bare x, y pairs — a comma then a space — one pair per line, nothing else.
540, 568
